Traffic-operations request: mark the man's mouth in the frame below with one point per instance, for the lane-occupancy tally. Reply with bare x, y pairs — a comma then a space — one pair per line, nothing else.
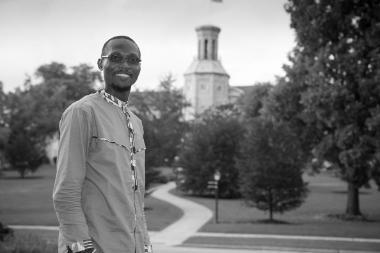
123, 75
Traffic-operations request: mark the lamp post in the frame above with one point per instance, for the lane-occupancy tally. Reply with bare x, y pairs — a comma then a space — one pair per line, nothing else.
216, 178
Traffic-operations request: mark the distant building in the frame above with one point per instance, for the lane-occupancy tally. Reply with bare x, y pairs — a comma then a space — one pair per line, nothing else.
206, 81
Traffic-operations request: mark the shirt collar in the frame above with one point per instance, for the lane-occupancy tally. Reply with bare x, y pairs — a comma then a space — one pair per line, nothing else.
114, 100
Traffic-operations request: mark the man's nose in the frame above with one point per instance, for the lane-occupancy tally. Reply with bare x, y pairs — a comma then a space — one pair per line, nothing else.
125, 63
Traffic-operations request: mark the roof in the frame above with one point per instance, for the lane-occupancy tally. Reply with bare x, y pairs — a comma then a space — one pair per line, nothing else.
206, 67
208, 27
245, 88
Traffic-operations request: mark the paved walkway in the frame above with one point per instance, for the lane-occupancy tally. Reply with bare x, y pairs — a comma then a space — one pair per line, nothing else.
194, 217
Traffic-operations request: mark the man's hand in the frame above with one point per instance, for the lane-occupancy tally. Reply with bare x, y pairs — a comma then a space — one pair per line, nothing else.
148, 249
85, 246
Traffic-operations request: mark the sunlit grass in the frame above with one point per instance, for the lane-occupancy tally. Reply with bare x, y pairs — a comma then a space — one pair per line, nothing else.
317, 215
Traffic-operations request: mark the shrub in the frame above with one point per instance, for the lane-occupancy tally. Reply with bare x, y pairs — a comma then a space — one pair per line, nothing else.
5, 232
26, 243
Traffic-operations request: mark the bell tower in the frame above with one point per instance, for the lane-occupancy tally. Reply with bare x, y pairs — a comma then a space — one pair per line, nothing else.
208, 42
206, 81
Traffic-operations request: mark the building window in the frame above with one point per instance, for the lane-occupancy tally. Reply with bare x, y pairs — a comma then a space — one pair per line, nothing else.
205, 49
213, 49
199, 49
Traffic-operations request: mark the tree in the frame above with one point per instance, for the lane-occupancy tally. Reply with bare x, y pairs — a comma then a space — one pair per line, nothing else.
270, 167
35, 111
284, 104
3, 102
252, 102
161, 112
210, 146
4, 129
338, 47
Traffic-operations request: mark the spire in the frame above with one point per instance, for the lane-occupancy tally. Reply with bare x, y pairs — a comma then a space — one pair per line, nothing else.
208, 42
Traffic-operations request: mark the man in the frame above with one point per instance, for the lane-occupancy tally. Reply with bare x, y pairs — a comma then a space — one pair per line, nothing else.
100, 182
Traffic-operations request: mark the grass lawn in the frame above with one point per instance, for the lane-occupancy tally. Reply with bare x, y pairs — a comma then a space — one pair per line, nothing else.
327, 196
28, 201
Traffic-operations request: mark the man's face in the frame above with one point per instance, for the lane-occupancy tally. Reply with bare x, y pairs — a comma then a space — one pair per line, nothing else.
120, 76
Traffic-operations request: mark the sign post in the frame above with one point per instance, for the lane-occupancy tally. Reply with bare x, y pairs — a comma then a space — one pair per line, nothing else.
217, 178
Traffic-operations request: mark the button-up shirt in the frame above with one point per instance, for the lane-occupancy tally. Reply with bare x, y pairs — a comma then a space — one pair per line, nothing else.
96, 193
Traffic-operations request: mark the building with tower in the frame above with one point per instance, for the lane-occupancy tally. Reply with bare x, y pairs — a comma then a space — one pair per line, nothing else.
206, 81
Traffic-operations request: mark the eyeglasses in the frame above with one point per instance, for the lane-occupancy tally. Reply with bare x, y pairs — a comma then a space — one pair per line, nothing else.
119, 59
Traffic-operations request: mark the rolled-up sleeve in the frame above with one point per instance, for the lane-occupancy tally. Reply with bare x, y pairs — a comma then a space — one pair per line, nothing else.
74, 141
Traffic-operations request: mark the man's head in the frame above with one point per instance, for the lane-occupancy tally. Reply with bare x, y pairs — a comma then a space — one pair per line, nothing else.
120, 63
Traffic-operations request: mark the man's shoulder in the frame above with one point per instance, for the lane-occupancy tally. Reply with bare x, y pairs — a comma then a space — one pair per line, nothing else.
134, 116
136, 119
85, 103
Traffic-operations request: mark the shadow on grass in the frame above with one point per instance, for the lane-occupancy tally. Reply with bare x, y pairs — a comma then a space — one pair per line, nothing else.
264, 221
346, 217
20, 178
345, 192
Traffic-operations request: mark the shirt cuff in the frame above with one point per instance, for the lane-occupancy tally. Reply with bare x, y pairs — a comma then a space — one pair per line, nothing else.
148, 249
86, 246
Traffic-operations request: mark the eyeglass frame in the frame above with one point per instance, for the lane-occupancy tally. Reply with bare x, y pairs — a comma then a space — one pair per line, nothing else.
125, 59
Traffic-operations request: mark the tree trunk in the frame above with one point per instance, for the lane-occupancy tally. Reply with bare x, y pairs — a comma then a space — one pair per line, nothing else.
353, 207
22, 173
270, 205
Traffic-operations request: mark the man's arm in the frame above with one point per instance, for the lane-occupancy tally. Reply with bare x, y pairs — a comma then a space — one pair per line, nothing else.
148, 245
75, 136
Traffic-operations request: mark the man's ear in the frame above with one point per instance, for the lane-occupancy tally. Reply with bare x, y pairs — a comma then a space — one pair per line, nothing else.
100, 64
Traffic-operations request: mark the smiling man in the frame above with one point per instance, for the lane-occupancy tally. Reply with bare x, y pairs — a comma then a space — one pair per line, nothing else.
100, 182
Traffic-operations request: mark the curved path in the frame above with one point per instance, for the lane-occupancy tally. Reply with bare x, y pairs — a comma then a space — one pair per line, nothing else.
194, 217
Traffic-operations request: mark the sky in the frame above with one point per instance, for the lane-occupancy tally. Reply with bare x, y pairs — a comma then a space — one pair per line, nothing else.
254, 41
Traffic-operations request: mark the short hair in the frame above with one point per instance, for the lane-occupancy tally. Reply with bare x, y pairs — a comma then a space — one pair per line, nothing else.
118, 37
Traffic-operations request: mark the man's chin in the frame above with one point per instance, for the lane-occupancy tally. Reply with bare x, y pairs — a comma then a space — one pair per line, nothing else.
121, 88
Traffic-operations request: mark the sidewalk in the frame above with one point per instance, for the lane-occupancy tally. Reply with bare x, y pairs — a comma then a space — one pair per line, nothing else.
194, 217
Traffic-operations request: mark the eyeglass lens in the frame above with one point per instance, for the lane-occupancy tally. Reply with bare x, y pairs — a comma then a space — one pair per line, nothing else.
118, 58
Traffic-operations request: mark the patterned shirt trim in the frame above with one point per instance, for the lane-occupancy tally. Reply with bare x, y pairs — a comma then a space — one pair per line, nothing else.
124, 107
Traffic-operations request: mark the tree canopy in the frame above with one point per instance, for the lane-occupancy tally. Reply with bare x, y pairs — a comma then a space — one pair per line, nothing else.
252, 102
335, 75
35, 110
161, 112
211, 145
270, 167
